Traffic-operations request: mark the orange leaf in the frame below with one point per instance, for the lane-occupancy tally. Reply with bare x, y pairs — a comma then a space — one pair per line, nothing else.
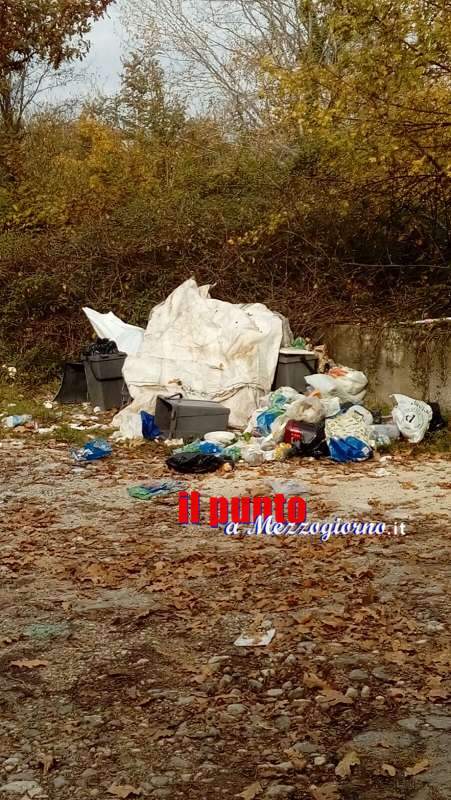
420, 766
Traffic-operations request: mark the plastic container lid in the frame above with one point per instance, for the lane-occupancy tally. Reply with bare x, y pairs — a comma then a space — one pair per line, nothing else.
220, 437
294, 351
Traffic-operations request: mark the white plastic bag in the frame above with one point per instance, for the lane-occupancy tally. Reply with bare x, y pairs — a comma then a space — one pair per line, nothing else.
349, 388
322, 383
352, 386
305, 409
412, 417
132, 429
331, 406
362, 412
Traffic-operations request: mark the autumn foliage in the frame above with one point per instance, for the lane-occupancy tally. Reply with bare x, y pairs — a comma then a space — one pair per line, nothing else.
334, 205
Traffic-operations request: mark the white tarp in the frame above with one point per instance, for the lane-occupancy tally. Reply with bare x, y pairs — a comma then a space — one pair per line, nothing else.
204, 349
128, 338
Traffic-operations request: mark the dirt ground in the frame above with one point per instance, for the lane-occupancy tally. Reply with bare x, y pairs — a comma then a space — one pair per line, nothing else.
119, 674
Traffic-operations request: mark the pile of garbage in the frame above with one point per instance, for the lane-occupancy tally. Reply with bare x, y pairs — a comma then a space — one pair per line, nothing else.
274, 395
314, 425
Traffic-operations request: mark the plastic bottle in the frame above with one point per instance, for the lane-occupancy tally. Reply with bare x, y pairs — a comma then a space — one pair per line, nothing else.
384, 434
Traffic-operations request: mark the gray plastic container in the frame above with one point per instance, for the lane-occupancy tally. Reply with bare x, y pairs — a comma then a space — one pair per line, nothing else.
293, 367
178, 418
104, 379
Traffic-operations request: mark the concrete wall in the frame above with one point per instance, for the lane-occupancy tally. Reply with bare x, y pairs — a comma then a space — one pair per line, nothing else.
407, 359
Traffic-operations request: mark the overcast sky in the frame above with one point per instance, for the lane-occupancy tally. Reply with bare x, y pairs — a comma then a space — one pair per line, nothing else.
104, 60
100, 70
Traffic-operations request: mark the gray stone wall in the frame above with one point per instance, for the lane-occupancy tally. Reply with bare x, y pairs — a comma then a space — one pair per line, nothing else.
407, 359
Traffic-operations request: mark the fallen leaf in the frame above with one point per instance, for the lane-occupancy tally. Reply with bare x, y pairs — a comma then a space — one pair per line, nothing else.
334, 622
396, 658
161, 733
251, 791
29, 663
343, 768
328, 791
331, 697
313, 681
47, 761
298, 762
438, 694
124, 791
388, 769
420, 766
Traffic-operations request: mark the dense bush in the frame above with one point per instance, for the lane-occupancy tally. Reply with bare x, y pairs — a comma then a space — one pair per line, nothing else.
335, 207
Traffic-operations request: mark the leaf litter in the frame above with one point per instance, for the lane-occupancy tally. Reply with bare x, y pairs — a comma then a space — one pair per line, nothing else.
151, 670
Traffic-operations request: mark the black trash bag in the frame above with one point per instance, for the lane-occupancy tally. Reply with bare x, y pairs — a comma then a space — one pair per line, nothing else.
195, 462
313, 436
437, 422
103, 347
321, 451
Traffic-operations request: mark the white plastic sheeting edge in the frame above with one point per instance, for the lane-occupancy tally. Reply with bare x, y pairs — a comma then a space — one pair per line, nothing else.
128, 338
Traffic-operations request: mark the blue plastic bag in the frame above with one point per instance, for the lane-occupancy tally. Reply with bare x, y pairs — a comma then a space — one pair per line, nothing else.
208, 448
349, 449
149, 429
92, 451
266, 419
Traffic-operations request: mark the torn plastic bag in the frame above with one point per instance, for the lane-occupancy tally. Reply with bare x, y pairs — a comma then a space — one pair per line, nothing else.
195, 462
412, 417
132, 429
92, 451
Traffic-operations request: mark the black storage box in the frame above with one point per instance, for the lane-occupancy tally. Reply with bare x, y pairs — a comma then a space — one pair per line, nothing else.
104, 379
178, 418
293, 367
